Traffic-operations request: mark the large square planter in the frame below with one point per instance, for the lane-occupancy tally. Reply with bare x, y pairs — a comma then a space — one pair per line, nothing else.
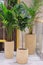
30, 43
9, 49
22, 56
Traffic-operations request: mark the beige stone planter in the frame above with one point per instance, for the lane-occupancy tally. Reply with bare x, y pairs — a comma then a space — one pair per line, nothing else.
22, 56
30, 43
9, 49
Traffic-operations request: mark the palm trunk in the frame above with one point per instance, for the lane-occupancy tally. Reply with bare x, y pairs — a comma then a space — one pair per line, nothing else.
30, 30
22, 39
9, 35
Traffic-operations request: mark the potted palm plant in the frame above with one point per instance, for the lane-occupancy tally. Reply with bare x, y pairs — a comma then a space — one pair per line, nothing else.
10, 23
22, 18
30, 38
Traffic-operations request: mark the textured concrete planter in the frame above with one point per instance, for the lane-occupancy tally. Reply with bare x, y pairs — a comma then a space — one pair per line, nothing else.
22, 56
30, 43
9, 49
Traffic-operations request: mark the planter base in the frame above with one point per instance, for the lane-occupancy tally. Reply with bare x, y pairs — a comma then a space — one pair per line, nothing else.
30, 43
22, 56
9, 49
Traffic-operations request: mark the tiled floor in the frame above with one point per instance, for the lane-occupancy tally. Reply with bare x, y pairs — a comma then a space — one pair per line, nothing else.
32, 60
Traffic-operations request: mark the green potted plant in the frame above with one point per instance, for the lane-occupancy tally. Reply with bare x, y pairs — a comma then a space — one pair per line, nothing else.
30, 38
10, 23
22, 18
